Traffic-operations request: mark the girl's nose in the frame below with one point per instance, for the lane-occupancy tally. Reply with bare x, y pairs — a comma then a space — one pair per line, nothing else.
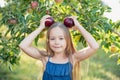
56, 41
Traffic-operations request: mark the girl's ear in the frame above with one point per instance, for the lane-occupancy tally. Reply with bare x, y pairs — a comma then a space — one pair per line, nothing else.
47, 40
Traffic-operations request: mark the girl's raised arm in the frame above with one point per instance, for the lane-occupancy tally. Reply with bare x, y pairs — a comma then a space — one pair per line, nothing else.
26, 44
92, 44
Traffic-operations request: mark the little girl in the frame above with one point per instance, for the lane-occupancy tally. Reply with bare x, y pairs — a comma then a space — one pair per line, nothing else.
60, 56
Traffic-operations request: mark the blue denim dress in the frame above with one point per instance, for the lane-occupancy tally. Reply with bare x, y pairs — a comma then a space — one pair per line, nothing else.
56, 71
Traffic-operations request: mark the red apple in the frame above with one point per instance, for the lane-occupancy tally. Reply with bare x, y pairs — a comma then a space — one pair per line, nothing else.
12, 21
29, 10
113, 48
49, 22
58, 1
34, 4
47, 12
68, 22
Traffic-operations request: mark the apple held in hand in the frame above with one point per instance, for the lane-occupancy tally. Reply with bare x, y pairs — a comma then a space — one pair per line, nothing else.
49, 22
34, 4
68, 22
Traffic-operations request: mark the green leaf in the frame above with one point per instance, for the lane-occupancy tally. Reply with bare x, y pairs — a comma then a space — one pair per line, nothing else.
28, 18
36, 40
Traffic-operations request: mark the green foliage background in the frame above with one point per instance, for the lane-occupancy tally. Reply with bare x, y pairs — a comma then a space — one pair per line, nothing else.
89, 12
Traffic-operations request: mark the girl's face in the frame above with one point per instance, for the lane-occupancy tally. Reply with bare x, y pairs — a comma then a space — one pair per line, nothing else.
57, 40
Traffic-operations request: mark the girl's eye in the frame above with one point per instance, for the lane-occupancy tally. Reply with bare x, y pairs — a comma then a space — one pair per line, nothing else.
61, 38
52, 38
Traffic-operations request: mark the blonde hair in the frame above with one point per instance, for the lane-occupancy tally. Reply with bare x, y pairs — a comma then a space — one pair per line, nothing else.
70, 49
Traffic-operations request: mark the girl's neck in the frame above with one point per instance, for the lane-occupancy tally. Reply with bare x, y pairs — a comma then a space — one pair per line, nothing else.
60, 56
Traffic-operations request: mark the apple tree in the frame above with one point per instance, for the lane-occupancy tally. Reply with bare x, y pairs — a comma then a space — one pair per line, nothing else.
18, 18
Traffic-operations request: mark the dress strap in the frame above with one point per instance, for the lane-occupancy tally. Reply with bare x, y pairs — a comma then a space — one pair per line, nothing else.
70, 60
48, 58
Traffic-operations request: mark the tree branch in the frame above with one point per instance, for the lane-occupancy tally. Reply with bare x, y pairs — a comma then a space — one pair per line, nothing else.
116, 32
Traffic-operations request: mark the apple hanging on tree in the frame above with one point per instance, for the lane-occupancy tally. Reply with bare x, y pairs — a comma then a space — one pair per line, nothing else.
47, 12
113, 48
12, 21
58, 1
34, 4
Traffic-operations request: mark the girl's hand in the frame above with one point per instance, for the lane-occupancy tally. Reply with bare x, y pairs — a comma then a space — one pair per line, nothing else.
76, 23
75, 20
42, 21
